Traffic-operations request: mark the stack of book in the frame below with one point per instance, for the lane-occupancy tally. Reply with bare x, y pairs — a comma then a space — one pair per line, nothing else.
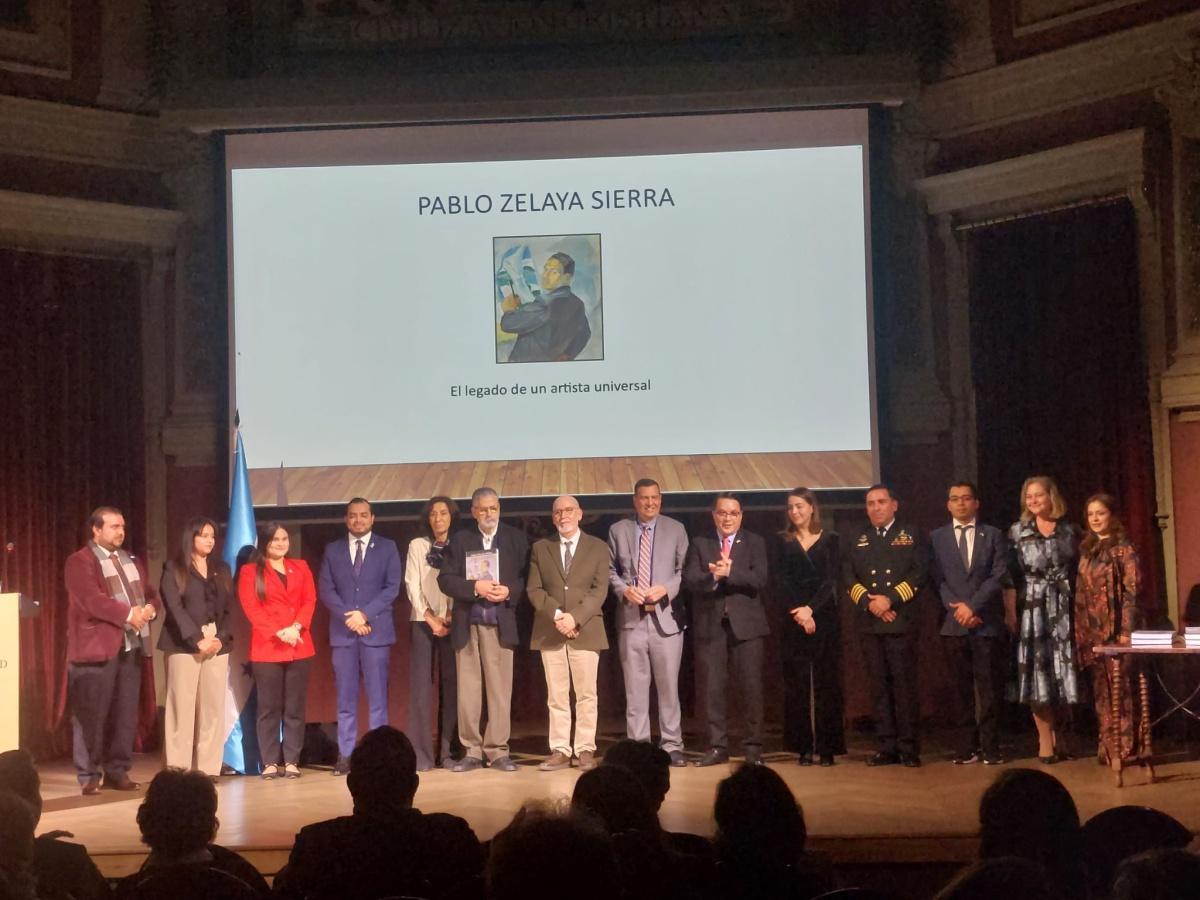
1152, 638
1191, 637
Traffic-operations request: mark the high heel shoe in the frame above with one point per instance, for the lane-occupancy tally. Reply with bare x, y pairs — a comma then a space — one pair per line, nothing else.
1048, 760
804, 760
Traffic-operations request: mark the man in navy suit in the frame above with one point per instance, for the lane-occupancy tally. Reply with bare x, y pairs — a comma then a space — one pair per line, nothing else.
968, 567
359, 582
726, 572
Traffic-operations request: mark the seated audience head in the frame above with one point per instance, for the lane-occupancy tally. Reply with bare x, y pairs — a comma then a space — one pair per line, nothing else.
383, 772
179, 815
1124, 831
614, 795
1158, 875
758, 818
1001, 878
650, 765
17, 822
19, 775
548, 852
1030, 814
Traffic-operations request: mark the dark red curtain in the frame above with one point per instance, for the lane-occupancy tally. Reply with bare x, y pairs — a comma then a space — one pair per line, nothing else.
1059, 370
71, 438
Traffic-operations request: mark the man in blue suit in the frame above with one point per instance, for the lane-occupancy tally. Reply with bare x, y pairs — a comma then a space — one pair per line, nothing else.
968, 568
359, 581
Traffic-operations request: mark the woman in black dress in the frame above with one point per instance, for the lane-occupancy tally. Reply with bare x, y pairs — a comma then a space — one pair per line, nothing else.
806, 577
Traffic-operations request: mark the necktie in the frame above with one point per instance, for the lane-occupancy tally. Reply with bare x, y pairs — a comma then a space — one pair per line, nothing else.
726, 546
567, 559
358, 557
964, 549
643, 564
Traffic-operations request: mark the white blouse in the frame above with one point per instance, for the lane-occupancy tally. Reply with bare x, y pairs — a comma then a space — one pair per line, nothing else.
420, 580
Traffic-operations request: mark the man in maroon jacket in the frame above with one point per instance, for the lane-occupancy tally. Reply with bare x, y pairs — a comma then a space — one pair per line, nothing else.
108, 633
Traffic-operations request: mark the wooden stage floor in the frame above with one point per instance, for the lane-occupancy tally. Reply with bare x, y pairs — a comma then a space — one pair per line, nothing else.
856, 814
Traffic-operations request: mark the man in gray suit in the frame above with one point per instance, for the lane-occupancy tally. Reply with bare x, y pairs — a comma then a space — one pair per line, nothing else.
645, 574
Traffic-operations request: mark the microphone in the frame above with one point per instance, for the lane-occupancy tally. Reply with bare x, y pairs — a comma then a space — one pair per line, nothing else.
8, 550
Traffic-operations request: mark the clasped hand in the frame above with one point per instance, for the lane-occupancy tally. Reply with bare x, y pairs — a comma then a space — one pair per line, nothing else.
491, 591
802, 616
356, 621
964, 616
720, 568
141, 616
881, 607
289, 635
635, 596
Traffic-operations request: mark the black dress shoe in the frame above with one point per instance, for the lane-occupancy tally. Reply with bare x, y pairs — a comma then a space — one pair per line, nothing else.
504, 764
678, 760
910, 760
342, 766
826, 760
884, 758
467, 764
713, 757
754, 756
994, 759
120, 782
92, 786
804, 760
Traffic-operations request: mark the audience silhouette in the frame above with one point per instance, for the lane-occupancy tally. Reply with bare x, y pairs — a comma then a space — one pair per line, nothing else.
1158, 875
548, 852
397, 849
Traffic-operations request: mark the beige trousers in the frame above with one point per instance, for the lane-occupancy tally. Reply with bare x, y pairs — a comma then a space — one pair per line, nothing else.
565, 667
195, 726
483, 664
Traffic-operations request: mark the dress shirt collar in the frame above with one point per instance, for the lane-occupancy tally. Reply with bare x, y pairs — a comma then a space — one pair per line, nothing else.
366, 539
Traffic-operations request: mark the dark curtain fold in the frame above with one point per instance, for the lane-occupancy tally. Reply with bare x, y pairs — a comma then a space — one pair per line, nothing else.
1059, 370
71, 438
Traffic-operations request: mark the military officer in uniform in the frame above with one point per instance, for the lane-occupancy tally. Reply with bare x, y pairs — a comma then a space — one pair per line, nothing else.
884, 569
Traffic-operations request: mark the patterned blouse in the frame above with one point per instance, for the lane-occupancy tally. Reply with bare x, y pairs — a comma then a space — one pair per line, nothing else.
1106, 595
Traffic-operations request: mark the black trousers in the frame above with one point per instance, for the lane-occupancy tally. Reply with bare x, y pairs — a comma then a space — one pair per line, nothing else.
104, 714
430, 657
891, 661
715, 657
282, 689
812, 693
977, 666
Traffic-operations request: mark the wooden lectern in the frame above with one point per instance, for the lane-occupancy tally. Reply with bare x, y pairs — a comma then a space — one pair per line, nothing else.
13, 607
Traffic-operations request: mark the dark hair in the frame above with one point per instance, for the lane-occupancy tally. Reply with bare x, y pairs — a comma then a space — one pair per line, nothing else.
1120, 832
880, 486
568, 264
758, 818
962, 482
96, 519
266, 532
383, 771
182, 562
17, 823
179, 814
565, 845
614, 795
650, 765
354, 500
645, 482
998, 879
423, 525
1030, 814
814, 524
1092, 544
1158, 875
19, 775
727, 495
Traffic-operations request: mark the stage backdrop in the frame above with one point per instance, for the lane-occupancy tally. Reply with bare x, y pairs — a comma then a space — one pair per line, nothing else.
71, 439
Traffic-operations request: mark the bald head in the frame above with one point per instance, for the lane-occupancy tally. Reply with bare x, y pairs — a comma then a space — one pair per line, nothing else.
567, 515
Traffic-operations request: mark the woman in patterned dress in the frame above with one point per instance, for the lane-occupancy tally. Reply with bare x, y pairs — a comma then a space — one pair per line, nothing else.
1045, 560
1106, 612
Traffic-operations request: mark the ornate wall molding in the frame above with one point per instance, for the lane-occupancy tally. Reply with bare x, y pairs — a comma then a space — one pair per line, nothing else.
1126, 62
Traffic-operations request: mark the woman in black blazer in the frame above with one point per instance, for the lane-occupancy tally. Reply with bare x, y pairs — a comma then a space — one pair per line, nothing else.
197, 591
806, 578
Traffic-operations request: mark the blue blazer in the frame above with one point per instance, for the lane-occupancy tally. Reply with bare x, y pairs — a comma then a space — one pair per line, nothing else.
982, 588
374, 591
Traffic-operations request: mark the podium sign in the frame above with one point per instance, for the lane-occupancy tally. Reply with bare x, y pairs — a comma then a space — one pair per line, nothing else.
10, 671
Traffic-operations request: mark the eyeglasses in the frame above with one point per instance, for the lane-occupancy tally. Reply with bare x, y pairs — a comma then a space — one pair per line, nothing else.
726, 514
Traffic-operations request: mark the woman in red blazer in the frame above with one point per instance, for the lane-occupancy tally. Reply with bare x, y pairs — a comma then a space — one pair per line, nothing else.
279, 597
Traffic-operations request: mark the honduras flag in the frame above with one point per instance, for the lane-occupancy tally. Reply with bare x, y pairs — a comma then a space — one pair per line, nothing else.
241, 745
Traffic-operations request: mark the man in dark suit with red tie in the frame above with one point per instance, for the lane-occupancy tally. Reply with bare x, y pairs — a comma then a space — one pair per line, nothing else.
969, 561
726, 572
108, 635
358, 583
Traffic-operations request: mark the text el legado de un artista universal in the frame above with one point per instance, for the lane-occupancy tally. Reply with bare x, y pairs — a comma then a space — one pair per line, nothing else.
518, 389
